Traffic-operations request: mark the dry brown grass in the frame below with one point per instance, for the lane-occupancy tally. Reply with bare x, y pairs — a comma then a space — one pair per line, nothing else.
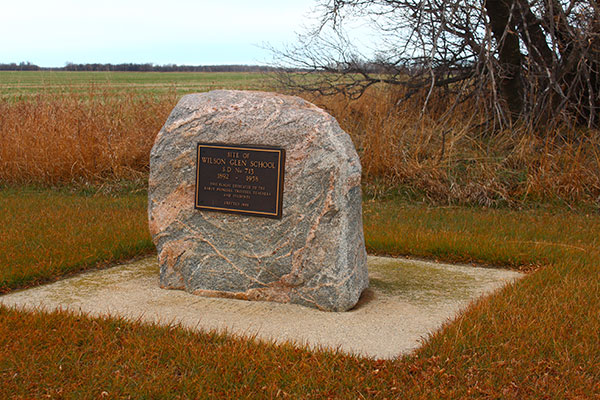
102, 136
449, 159
70, 137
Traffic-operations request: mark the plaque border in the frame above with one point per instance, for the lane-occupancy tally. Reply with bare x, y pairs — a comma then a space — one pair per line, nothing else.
280, 178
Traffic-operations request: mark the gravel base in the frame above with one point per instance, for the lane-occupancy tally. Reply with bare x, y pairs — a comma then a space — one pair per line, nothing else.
406, 301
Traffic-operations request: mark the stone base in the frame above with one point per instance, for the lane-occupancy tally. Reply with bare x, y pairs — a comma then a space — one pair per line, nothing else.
407, 300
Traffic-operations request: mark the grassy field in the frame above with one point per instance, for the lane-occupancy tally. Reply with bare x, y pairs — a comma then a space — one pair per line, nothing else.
45, 234
33, 82
521, 239
539, 338
83, 140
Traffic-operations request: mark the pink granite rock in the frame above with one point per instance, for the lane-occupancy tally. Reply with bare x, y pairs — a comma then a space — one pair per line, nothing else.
314, 255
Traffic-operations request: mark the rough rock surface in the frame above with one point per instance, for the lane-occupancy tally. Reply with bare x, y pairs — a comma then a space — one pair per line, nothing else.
314, 255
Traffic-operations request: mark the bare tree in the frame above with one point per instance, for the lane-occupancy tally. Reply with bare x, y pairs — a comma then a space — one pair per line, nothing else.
536, 61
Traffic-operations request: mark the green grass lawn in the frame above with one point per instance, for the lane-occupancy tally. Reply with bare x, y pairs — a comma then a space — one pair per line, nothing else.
32, 82
523, 240
45, 234
537, 338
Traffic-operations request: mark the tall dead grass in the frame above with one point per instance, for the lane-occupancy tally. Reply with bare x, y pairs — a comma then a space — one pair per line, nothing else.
66, 137
447, 157
444, 157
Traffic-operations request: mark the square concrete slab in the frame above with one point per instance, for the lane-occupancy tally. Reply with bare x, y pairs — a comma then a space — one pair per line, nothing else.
406, 300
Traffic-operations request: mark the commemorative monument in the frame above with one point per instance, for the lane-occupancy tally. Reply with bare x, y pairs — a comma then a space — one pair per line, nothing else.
257, 196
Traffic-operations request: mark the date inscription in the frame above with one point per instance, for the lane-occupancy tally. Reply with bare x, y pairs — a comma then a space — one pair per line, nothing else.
240, 179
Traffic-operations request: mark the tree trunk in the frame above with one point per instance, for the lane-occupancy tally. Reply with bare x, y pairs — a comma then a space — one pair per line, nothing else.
510, 58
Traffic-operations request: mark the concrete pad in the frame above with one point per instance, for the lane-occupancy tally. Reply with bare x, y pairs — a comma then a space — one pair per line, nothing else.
406, 300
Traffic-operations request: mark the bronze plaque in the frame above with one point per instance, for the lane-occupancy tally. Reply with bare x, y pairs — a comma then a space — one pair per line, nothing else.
240, 179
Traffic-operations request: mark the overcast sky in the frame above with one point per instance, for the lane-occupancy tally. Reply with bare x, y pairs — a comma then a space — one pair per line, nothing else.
196, 32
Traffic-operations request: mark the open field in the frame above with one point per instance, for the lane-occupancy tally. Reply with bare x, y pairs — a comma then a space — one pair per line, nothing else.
538, 338
14, 83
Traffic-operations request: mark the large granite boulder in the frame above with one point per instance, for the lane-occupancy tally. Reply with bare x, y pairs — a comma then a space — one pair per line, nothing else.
314, 255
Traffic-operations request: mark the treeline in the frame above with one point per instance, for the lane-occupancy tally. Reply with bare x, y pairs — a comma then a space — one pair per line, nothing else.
24, 66
27, 66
